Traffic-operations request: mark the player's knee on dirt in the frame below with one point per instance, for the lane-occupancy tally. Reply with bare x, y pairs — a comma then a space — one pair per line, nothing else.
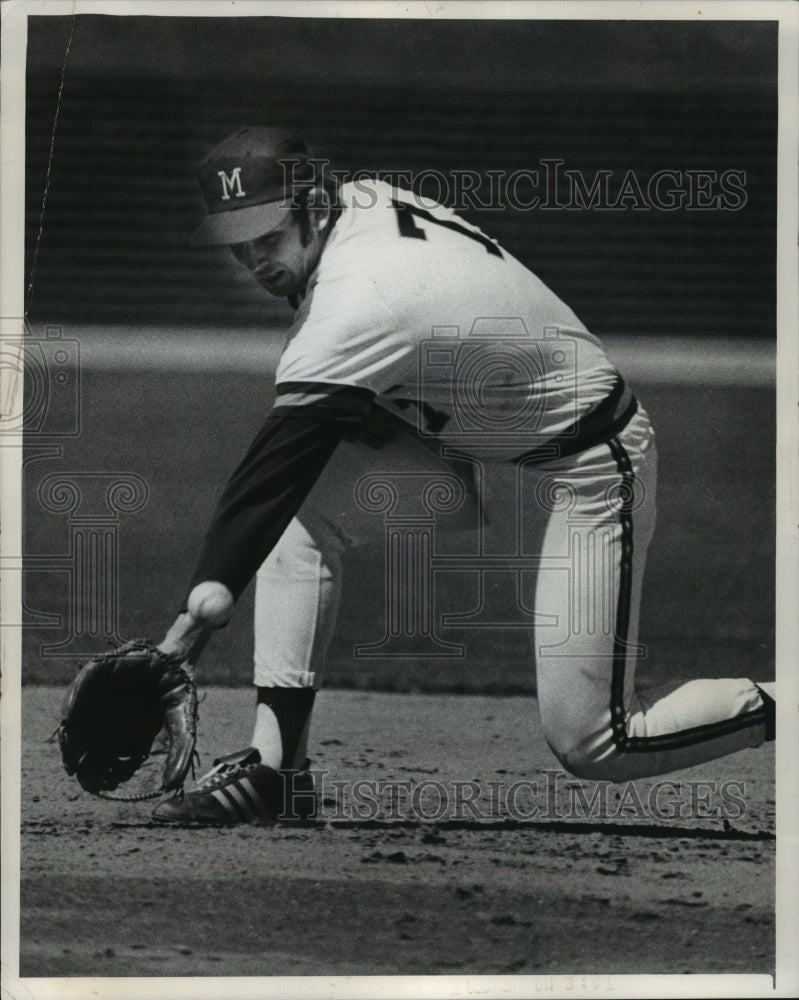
584, 755
575, 762
580, 765
210, 604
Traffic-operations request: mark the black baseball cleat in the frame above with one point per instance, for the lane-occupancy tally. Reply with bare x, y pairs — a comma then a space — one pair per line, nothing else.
240, 789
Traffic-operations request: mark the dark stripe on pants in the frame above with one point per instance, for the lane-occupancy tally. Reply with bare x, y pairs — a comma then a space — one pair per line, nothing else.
667, 741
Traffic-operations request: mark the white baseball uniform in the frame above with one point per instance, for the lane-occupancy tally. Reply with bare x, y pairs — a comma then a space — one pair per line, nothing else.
415, 317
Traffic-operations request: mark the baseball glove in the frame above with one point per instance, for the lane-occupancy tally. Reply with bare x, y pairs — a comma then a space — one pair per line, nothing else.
116, 708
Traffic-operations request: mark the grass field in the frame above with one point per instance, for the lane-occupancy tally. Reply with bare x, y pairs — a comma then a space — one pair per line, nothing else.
180, 422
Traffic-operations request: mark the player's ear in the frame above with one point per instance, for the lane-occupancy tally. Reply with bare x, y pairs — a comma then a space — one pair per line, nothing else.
320, 206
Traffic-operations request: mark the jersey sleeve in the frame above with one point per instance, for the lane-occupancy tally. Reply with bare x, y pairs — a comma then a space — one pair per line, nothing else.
269, 486
344, 349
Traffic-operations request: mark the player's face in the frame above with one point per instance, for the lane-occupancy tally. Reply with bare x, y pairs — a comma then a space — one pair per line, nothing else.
280, 261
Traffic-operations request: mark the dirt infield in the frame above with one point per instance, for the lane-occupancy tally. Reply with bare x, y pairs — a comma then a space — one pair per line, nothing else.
524, 878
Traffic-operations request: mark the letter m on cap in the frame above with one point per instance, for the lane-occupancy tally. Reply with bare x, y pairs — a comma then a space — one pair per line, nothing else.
231, 182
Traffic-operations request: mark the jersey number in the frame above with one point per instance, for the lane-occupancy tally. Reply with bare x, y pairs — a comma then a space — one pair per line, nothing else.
408, 226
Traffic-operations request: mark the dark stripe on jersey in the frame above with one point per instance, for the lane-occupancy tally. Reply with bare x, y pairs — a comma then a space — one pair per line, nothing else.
598, 426
354, 392
618, 722
345, 401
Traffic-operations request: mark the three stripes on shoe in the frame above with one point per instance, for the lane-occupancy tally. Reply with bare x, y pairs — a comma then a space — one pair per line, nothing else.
242, 801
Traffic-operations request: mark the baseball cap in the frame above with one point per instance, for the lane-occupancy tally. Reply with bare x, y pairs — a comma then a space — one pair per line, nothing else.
249, 181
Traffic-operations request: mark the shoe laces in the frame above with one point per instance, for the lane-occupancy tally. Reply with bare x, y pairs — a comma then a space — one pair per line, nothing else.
223, 773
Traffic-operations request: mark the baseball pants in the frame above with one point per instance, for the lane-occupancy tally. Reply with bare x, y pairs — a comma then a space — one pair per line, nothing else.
585, 521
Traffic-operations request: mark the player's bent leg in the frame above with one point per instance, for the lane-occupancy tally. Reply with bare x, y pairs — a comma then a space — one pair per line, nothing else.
596, 720
603, 726
297, 595
687, 724
298, 588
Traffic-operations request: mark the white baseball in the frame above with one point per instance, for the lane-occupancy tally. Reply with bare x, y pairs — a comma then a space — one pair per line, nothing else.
211, 604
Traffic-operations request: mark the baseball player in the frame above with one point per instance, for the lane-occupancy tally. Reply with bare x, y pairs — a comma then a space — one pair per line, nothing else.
421, 346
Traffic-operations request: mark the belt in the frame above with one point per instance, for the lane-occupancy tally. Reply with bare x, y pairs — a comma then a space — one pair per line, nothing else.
597, 426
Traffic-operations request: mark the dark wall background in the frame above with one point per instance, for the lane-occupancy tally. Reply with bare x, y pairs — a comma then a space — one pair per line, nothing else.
143, 97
